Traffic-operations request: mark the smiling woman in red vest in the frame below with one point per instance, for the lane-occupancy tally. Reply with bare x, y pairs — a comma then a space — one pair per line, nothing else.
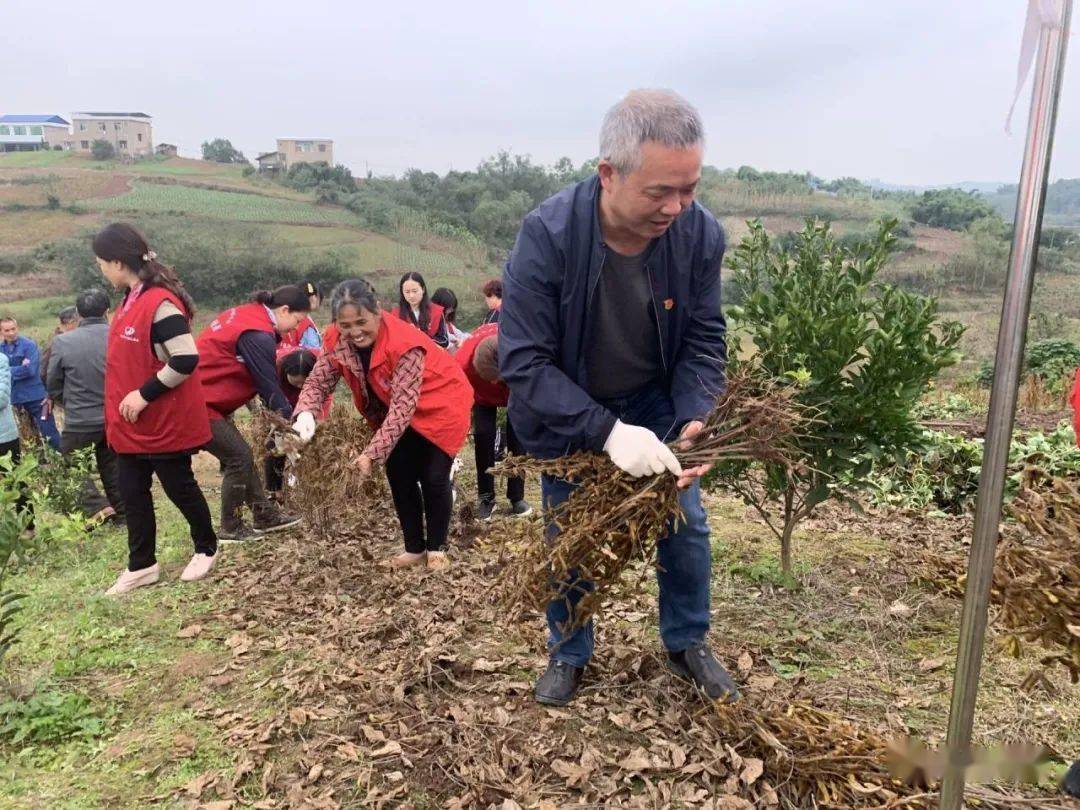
479, 359
155, 417
417, 400
416, 308
238, 351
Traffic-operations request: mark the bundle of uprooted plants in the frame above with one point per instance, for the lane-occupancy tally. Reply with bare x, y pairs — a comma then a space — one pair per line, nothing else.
1036, 584
321, 480
612, 519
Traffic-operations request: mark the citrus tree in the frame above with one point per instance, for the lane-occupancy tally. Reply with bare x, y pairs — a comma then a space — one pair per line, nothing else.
862, 353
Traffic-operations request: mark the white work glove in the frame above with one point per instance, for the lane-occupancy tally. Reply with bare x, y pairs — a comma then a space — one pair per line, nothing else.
636, 451
304, 426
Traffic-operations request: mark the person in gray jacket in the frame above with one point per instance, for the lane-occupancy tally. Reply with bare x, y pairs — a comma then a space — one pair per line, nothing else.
76, 380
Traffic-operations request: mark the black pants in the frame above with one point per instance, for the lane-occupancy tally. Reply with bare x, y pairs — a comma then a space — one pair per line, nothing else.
174, 472
274, 472
419, 476
92, 501
484, 432
14, 450
240, 484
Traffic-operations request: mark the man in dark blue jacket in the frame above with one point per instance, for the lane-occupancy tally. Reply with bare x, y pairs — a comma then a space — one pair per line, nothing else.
612, 339
27, 389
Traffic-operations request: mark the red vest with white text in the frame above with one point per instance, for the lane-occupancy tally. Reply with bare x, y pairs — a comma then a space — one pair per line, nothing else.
175, 421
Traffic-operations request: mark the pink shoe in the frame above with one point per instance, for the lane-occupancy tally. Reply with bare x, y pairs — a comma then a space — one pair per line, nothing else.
198, 568
130, 580
407, 559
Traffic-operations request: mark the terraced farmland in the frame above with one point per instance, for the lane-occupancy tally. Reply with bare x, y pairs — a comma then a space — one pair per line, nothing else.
156, 198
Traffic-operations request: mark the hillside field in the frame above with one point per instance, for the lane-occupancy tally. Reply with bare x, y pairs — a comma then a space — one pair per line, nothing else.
303, 674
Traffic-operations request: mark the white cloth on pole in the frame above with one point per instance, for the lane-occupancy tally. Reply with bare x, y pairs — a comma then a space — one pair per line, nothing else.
1040, 14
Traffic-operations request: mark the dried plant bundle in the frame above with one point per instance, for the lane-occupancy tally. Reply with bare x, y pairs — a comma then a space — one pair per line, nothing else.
321, 480
1036, 582
612, 519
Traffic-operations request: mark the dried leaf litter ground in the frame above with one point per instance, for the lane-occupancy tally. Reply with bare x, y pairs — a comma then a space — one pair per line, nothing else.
347, 685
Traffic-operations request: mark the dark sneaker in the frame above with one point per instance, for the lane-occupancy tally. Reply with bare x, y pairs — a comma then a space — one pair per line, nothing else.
486, 509
559, 683
274, 520
1070, 785
698, 665
520, 509
240, 534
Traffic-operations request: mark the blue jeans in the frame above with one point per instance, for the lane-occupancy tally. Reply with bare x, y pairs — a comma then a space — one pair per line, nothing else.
684, 557
46, 427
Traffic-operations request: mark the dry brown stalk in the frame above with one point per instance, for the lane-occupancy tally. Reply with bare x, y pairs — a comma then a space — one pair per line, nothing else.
321, 478
1036, 584
612, 519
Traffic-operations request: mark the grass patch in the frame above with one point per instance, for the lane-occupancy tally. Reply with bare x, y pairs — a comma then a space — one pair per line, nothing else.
28, 160
227, 205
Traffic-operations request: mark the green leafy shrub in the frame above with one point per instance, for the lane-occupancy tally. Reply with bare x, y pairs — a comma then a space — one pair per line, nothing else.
50, 717
219, 263
863, 353
1053, 360
943, 472
102, 149
950, 208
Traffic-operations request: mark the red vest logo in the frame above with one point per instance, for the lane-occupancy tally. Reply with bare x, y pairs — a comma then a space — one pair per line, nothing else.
129, 334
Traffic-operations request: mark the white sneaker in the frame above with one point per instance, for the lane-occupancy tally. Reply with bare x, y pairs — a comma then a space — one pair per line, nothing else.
198, 568
130, 580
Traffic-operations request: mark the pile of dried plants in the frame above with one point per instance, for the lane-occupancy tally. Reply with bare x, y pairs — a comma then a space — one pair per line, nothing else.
612, 519
1036, 583
321, 478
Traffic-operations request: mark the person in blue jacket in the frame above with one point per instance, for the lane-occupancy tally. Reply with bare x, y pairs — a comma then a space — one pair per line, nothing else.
612, 340
27, 389
10, 448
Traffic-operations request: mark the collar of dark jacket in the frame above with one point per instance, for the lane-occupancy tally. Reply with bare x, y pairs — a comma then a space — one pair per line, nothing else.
90, 322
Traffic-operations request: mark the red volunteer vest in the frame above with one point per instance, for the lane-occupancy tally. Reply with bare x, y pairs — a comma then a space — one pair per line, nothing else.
226, 383
493, 395
434, 318
174, 422
291, 340
443, 412
1074, 400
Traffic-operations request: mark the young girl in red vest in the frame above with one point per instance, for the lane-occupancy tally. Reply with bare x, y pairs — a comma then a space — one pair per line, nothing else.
479, 359
416, 308
417, 400
238, 352
155, 416
306, 334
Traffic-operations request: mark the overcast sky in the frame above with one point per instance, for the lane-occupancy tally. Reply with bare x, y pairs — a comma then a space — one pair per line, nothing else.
908, 91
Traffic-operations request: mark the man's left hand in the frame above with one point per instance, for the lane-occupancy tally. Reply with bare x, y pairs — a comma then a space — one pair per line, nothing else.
691, 474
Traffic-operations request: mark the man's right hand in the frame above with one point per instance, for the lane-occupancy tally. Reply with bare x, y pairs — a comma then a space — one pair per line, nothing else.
304, 426
637, 452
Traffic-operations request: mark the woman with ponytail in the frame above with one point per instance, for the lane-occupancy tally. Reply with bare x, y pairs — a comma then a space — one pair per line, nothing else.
155, 416
415, 307
239, 361
416, 399
306, 334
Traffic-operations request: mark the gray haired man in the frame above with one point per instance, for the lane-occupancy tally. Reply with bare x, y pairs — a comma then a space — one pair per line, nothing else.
76, 379
612, 339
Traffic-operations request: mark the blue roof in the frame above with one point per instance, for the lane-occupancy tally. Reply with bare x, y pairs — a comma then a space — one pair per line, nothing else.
32, 119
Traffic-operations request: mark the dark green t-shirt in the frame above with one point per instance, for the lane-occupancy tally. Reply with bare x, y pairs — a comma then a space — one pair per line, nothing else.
623, 352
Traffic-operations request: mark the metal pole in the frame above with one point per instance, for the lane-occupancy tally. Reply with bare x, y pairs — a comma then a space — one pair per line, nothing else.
1049, 67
